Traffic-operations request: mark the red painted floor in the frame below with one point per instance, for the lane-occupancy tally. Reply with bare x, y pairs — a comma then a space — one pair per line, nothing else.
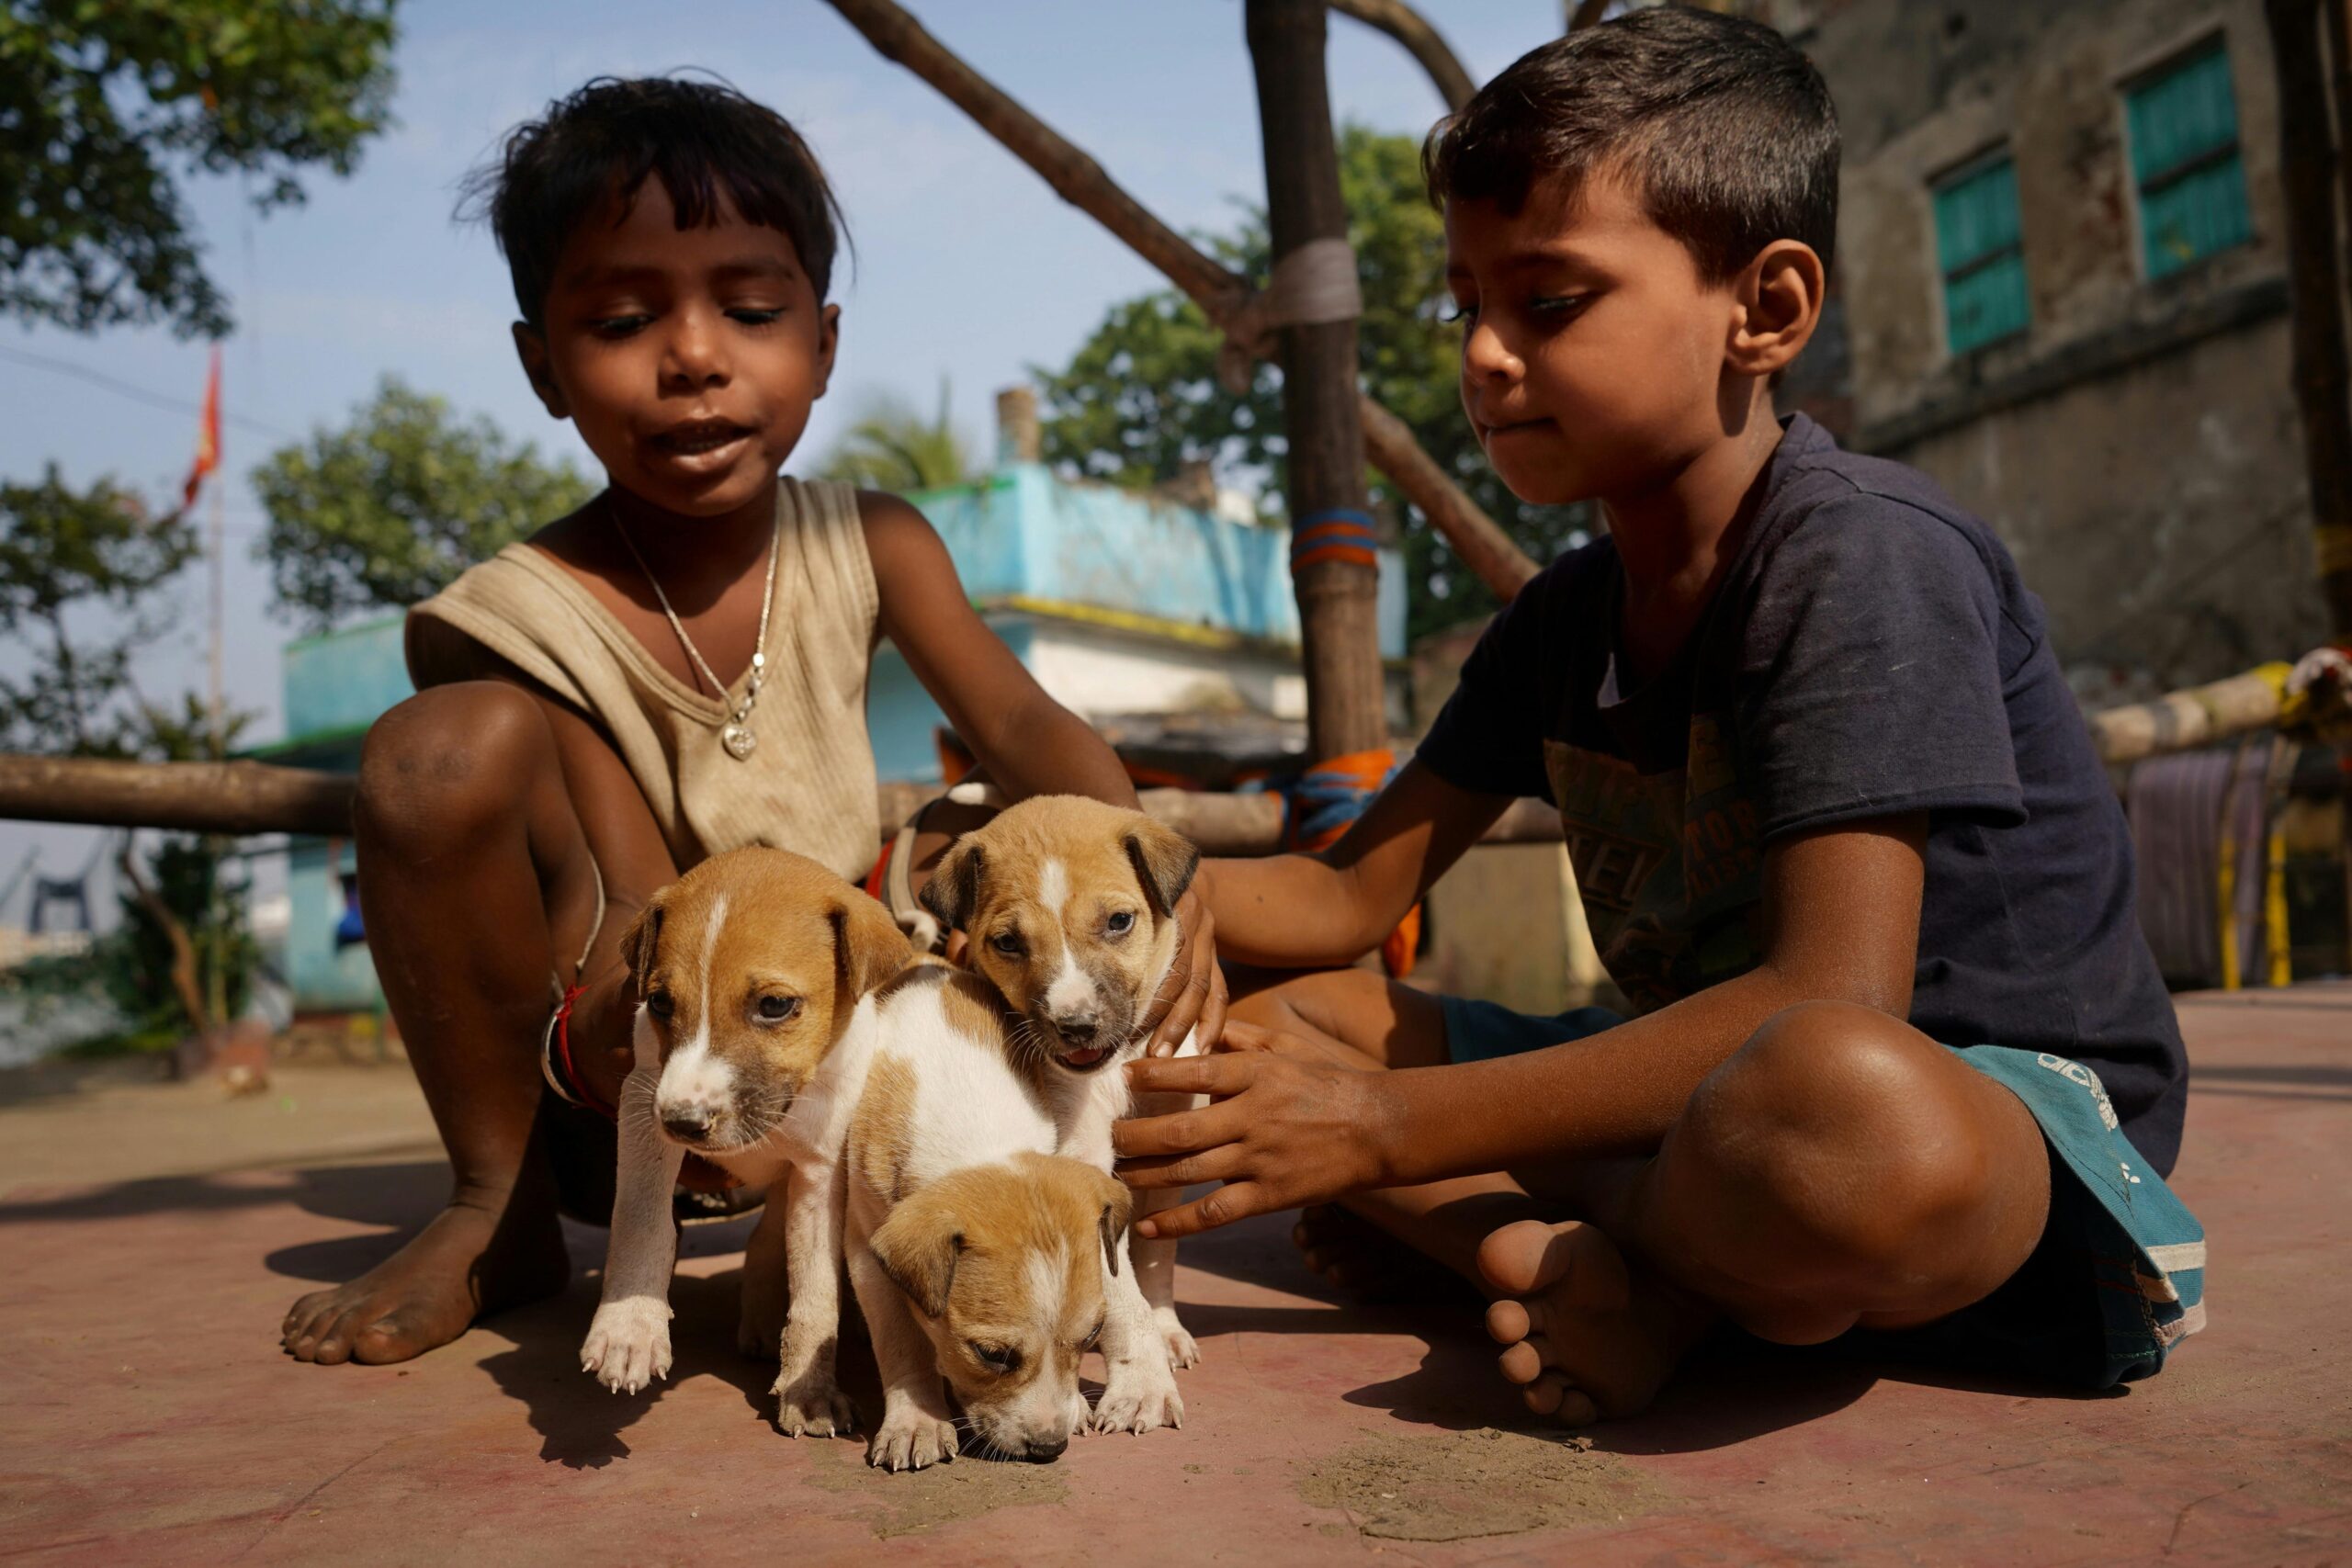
145, 1415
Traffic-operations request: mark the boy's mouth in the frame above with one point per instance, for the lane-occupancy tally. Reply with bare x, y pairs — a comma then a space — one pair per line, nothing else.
1515, 426
700, 439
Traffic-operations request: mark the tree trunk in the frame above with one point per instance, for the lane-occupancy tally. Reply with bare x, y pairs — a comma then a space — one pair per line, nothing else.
2315, 278
189, 797
1337, 599
1421, 39
1217, 290
184, 984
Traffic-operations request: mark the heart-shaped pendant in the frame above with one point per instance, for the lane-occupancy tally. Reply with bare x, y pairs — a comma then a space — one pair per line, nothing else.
738, 739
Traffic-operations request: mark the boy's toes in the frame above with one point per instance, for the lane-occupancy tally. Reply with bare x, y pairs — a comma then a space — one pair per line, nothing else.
1509, 1322
1525, 1361
1521, 1259
1551, 1395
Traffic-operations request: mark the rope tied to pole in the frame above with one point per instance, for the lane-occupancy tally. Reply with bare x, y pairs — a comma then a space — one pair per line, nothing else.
1341, 534
1315, 284
1320, 805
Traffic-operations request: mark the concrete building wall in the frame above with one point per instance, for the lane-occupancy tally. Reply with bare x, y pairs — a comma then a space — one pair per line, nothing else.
2136, 445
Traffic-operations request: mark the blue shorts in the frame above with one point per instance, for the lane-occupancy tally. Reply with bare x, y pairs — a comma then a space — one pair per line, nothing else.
2117, 1280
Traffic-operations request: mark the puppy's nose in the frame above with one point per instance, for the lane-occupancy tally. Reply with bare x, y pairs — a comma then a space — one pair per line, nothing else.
687, 1124
1079, 1029
1045, 1450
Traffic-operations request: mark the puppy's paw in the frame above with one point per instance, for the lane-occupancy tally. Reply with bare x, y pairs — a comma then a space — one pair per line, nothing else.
629, 1343
1183, 1350
910, 1439
759, 1331
1139, 1395
812, 1406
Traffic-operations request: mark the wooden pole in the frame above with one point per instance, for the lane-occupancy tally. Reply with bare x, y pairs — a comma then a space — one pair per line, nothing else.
1338, 600
2315, 281
1220, 292
1421, 40
189, 797
259, 797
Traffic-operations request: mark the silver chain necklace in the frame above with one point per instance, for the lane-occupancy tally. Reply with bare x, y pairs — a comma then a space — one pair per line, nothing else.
735, 734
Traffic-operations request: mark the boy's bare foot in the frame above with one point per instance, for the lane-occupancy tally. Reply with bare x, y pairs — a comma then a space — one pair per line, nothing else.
1359, 1256
1586, 1333
471, 1259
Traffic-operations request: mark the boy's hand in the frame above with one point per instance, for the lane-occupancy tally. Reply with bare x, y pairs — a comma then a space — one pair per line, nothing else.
1285, 1129
1192, 997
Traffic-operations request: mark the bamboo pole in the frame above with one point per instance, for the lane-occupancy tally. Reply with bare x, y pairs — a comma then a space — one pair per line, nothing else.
1337, 599
1220, 293
260, 798
1421, 40
2315, 278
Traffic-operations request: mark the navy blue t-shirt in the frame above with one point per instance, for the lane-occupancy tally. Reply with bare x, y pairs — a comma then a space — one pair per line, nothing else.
1872, 651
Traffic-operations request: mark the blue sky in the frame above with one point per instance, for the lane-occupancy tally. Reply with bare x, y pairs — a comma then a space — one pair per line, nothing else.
967, 265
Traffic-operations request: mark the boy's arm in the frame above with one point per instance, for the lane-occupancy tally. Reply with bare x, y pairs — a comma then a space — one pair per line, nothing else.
1329, 908
1842, 912
1029, 743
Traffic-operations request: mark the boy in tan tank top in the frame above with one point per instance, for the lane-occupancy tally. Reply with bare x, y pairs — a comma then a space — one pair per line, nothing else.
677, 668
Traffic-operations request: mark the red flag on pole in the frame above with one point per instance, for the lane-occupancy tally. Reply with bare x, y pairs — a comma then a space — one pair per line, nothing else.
208, 434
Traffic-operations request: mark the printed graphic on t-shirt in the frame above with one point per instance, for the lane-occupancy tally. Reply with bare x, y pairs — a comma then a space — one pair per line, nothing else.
1669, 864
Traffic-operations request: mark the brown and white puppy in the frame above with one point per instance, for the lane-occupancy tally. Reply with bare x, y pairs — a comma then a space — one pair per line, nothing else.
1002, 1269
1068, 906
756, 971
980, 1257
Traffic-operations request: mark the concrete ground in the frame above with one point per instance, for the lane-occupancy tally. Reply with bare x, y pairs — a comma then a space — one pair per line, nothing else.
152, 1235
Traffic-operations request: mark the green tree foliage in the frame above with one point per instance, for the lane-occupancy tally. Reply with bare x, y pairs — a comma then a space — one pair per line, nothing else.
892, 447
106, 104
1140, 398
68, 556
391, 508
85, 580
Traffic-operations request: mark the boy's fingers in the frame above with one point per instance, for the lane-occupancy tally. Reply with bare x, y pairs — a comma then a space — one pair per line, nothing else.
1184, 1133
1219, 1074
1184, 1170
1211, 1024
1237, 1201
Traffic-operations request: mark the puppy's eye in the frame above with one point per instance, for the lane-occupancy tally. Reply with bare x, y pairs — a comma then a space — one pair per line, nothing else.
660, 1005
1002, 1359
1094, 1336
1122, 923
775, 1009
1007, 942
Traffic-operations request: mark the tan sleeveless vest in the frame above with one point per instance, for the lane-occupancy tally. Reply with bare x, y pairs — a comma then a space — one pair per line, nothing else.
808, 787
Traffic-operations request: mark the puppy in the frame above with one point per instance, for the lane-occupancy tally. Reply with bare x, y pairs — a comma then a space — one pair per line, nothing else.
756, 971
1069, 908
979, 1257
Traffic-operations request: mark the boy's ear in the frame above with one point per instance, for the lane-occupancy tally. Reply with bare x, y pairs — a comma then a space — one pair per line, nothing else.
1164, 860
868, 946
828, 343
531, 348
1779, 297
918, 1248
953, 890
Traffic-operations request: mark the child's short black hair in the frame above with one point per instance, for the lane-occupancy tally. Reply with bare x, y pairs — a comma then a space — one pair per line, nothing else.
701, 140
1725, 128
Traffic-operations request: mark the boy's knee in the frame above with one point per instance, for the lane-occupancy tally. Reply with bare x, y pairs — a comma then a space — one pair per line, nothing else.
1837, 1119
447, 761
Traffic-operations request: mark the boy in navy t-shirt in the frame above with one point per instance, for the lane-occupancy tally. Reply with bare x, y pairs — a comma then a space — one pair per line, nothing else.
1901, 1068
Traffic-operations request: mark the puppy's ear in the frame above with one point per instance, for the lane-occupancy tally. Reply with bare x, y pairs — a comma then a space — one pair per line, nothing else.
642, 940
1164, 860
868, 946
953, 890
918, 1248
1118, 1208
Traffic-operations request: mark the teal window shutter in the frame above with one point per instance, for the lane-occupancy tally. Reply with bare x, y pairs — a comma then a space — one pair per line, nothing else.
1981, 253
2183, 124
